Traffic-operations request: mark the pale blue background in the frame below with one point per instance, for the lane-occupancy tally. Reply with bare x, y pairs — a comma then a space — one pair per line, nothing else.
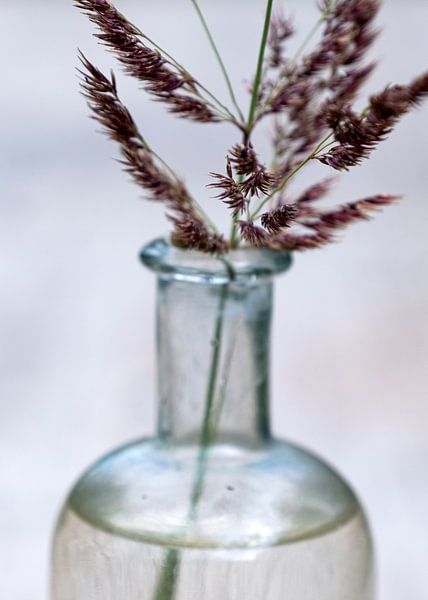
77, 310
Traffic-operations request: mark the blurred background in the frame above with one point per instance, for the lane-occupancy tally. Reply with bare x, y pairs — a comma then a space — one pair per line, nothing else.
350, 371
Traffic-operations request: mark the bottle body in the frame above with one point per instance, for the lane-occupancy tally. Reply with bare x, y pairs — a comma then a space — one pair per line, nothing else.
214, 506
272, 522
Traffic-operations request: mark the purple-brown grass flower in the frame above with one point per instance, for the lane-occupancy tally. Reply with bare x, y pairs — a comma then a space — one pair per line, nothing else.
281, 30
244, 159
252, 179
332, 73
254, 235
279, 218
230, 190
324, 224
161, 78
357, 135
298, 242
315, 192
139, 160
259, 182
310, 95
189, 233
348, 213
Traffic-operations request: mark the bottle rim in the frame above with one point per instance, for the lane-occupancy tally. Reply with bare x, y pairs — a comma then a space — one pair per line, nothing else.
244, 263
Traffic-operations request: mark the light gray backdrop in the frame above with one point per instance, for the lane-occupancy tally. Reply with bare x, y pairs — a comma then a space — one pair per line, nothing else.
77, 310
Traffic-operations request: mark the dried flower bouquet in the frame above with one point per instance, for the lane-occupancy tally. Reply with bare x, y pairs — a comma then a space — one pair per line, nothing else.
310, 97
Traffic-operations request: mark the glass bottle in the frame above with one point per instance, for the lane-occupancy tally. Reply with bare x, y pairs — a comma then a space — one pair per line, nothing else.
213, 506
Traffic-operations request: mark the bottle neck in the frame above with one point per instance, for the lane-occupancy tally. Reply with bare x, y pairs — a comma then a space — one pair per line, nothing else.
213, 366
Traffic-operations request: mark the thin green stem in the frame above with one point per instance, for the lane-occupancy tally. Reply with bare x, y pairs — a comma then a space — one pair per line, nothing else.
253, 105
259, 72
218, 57
286, 179
208, 430
224, 381
234, 228
167, 583
168, 579
327, 145
234, 232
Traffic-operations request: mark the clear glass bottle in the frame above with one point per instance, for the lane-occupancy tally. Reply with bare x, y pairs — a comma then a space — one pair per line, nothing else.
213, 506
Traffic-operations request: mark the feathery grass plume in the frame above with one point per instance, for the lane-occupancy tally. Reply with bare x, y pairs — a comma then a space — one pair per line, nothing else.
252, 179
281, 29
230, 190
246, 163
315, 192
326, 222
259, 182
346, 85
163, 79
323, 223
244, 159
310, 95
347, 36
189, 233
139, 160
419, 89
279, 218
298, 242
255, 236
357, 135
333, 68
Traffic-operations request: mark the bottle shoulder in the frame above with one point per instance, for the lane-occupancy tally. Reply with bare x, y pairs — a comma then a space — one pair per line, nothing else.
230, 496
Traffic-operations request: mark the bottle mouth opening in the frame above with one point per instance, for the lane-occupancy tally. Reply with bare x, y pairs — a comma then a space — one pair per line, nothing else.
192, 265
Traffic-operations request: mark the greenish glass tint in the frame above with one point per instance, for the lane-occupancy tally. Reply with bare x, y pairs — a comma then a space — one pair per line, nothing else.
213, 506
